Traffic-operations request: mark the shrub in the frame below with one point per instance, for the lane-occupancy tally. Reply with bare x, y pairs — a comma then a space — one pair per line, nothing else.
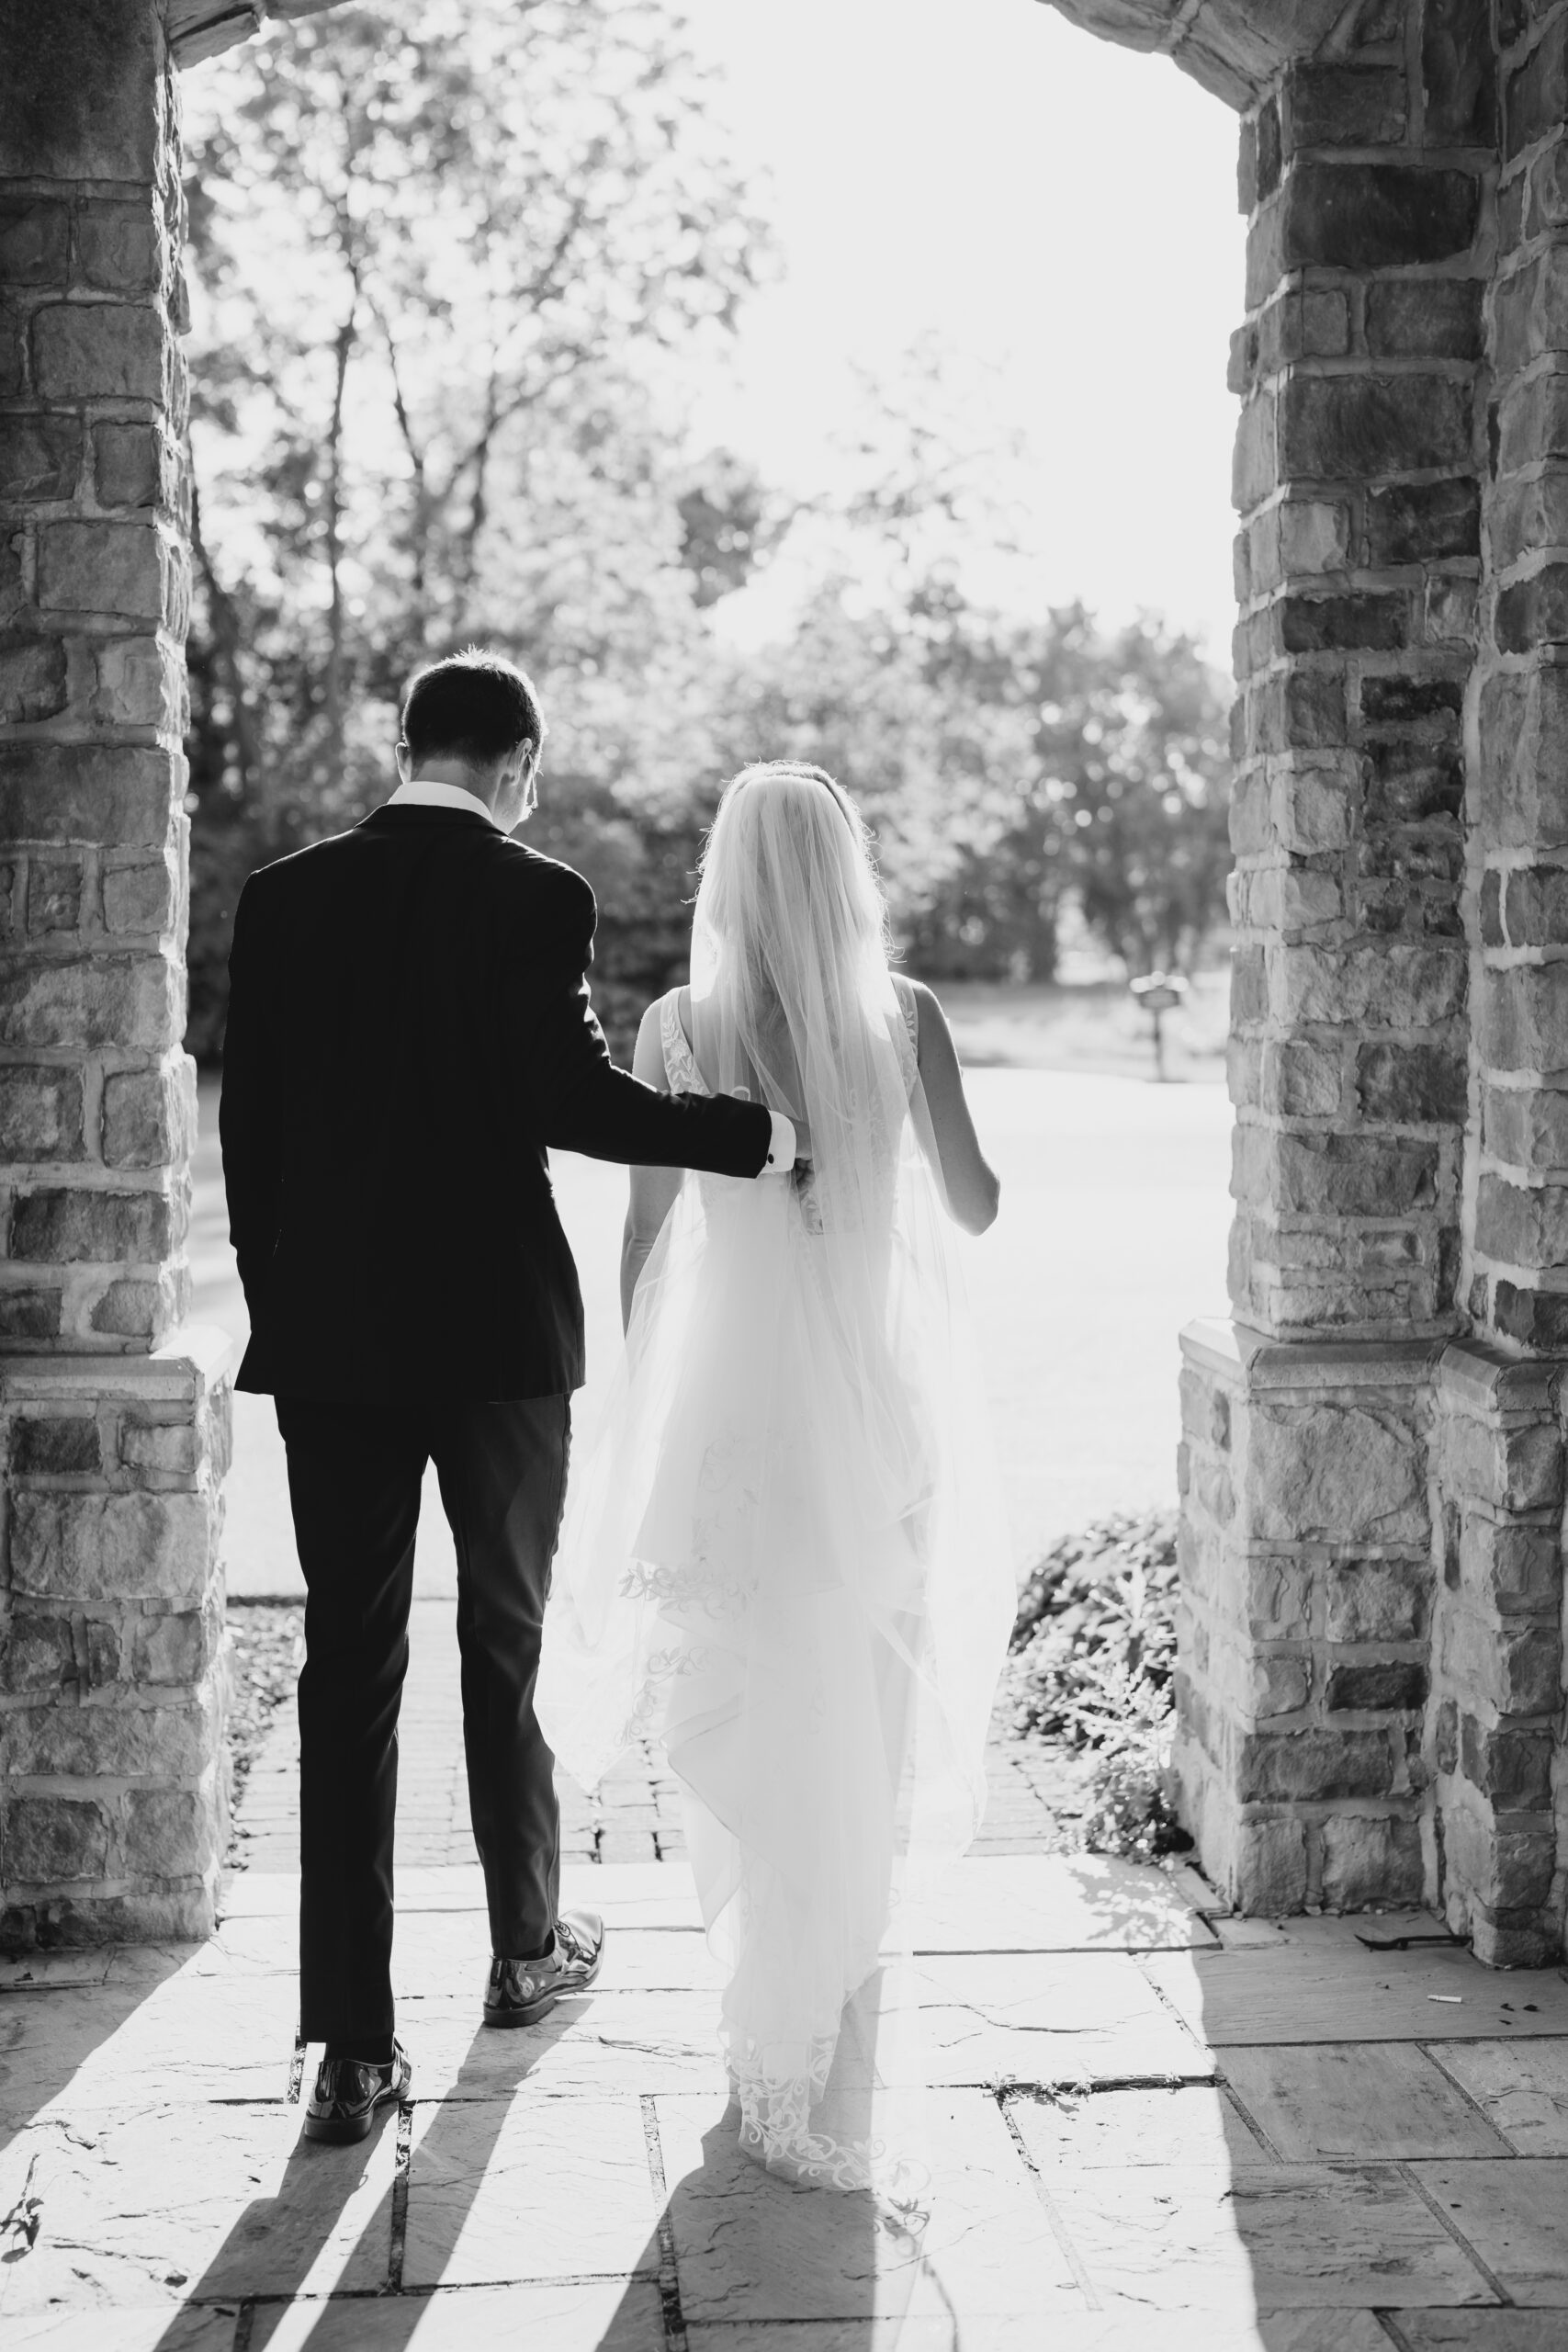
1093, 1649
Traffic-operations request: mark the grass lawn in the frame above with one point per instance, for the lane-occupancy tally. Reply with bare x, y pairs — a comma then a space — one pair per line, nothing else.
1092, 1026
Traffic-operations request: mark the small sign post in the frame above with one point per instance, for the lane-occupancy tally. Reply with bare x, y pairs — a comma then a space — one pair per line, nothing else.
1159, 994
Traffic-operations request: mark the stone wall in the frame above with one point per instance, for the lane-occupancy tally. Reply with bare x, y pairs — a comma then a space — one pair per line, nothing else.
113, 1418
1372, 1690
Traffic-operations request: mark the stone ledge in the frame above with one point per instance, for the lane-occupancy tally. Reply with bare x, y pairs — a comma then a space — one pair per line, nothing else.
191, 1363
1493, 1380
1237, 1351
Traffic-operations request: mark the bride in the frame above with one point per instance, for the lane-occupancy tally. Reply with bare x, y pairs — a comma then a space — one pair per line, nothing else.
784, 1561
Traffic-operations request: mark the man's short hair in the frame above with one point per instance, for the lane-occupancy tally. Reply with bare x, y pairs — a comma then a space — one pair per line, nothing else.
476, 706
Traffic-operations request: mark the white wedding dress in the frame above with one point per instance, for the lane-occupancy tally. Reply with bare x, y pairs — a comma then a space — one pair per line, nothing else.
785, 1562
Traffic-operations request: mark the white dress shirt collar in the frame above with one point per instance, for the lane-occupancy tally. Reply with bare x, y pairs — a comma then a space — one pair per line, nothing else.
440, 795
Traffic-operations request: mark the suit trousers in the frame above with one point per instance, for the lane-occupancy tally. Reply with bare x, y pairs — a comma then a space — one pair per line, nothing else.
355, 1473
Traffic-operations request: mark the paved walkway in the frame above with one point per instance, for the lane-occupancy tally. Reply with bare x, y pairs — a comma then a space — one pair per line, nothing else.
1148, 2128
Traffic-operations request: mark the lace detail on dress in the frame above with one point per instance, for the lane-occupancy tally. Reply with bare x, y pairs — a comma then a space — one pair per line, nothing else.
777, 2105
680, 1062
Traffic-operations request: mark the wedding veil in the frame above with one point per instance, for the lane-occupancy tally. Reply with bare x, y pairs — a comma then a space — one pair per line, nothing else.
783, 1558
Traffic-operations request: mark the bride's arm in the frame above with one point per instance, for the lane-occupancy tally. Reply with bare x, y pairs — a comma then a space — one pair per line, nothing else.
654, 1191
973, 1188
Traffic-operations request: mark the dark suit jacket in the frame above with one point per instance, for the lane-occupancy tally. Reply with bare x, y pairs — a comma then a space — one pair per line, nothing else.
409, 1028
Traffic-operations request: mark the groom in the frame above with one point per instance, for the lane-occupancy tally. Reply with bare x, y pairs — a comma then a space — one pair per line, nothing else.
409, 1031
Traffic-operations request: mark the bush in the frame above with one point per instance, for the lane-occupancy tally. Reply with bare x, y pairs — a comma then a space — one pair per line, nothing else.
1093, 1650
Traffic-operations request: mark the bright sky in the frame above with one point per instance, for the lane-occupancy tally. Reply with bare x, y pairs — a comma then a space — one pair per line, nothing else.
1061, 212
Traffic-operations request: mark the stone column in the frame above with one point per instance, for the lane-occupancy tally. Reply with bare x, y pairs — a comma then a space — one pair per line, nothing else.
113, 1416
1498, 1647
1367, 175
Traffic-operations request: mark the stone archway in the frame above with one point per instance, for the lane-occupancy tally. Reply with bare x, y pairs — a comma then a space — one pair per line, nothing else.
1373, 1461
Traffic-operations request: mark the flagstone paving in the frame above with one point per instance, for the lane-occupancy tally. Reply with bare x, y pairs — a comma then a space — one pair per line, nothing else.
1148, 2124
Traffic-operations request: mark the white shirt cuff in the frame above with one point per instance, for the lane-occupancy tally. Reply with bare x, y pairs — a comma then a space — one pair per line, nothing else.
781, 1149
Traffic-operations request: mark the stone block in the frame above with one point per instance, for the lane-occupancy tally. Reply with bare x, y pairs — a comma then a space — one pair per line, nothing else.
1370, 1859
1532, 1466
1345, 105
1529, 313
1342, 1474
1357, 428
1377, 1601
84, 351
1532, 421
54, 895
1423, 318
1459, 76
1527, 513
33, 684
170, 1833
119, 246
168, 1448
92, 793
133, 1004
1449, 608
178, 1648
1408, 782
1302, 710
149, 1116
1367, 1684
1316, 1766
37, 1654
141, 898
1393, 986
1314, 536
1422, 522
1535, 99
1511, 1670
1505, 1868
1392, 699
56, 1227
1275, 1596
131, 466
29, 1312
1300, 1080
1534, 907
1538, 1318
1253, 468
103, 1652
136, 1547
134, 1310
40, 1113
40, 458
1368, 621
1519, 1225
53, 1445
1377, 216
112, 1741
1352, 1175
103, 568
34, 241
1512, 1769
54, 1840
1411, 1085
1533, 612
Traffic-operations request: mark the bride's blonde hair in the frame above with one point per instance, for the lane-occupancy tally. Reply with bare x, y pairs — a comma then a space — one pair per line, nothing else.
788, 843
791, 989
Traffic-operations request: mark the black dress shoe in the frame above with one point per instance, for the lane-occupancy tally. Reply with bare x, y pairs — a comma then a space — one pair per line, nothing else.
520, 1992
347, 2094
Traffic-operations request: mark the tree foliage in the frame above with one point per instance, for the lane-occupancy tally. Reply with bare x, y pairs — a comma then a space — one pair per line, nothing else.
458, 264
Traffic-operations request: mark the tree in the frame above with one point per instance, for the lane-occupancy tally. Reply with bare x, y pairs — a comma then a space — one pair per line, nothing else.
447, 257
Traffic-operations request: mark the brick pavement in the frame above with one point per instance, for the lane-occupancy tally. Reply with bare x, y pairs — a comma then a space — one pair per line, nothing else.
637, 1815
